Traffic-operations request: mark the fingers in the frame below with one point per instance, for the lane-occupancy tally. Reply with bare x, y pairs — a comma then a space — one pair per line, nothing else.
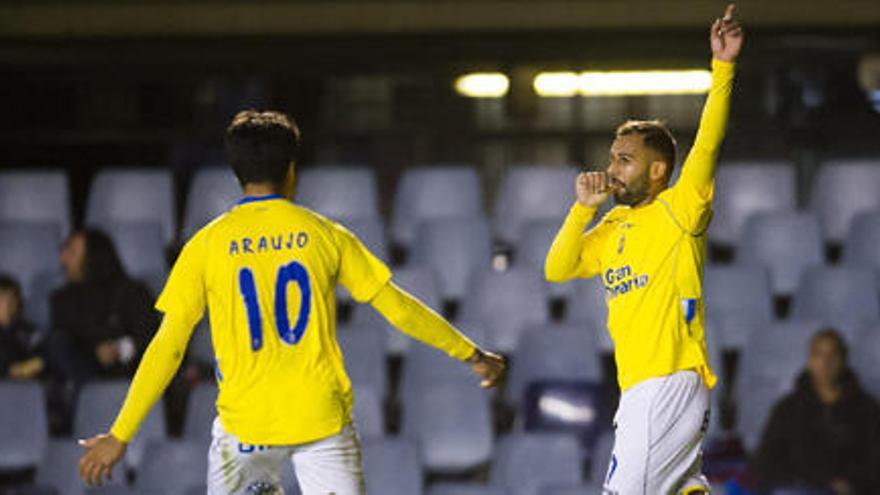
728, 12
87, 443
594, 182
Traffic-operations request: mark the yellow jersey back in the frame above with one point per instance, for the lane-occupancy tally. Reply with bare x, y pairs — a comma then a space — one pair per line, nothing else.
267, 271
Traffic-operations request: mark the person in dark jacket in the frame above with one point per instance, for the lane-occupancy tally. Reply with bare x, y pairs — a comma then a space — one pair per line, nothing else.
826, 433
20, 344
101, 319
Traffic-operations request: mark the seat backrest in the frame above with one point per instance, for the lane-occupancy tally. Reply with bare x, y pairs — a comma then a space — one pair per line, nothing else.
860, 248
188, 461
140, 246
465, 489
201, 409
342, 193
745, 188
844, 296
29, 251
865, 350
532, 193
432, 192
841, 189
23, 425
785, 243
364, 353
391, 467
369, 415
525, 462
587, 307
133, 195
453, 249
738, 292
213, 191
35, 196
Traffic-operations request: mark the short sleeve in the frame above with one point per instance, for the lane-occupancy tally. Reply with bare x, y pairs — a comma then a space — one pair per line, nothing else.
360, 271
184, 292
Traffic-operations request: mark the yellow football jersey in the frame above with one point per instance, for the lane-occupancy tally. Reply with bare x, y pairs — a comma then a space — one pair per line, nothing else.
267, 271
651, 259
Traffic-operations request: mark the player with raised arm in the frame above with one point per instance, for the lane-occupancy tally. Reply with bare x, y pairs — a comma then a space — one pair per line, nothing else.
649, 251
267, 272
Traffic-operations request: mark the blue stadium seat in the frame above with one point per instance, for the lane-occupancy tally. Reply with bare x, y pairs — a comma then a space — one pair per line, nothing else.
841, 189
23, 425
785, 243
109, 490
600, 459
586, 307
391, 467
449, 488
860, 248
32, 490
453, 249
342, 193
29, 251
745, 188
36, 304
188, 461
532, 193
96, 409
369, 416
570, 490
452, 427
565, 405
41, 196
507, 302
364, 353
526, 462
865, 352
421, 283
845, 297
531, 248
434, 192
201, 409
60, 468
737, 297
133, 195
213, 191
371, 232
141, 251
553, 351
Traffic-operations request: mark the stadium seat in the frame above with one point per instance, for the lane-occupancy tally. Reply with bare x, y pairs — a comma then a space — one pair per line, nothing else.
133, 195
369, 416
342, 193
141, 251
96, 409
434, 192
449, 488
23, 425
421, 283
841, 189
453, 249
507, 302
59, 468
364, 354
526, 462
860, 248
570, 490
188, 461
745, 188
564, 405
371, 232
553, 352
842, 297
452, 426
41, 196
391, 467
600, 459
865, 352
737, 298
36, 304
201, 410
213, 191
586, 307
532, 193
785, 243
109, 490
28, 252
32, 490
531, 248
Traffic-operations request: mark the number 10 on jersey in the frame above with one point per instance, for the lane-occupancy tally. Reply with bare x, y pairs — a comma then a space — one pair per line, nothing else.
290, 273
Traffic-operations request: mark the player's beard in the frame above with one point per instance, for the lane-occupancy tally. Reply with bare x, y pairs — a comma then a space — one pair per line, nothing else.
632, 194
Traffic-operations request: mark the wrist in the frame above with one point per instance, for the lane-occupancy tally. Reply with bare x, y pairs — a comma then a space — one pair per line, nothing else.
476, 356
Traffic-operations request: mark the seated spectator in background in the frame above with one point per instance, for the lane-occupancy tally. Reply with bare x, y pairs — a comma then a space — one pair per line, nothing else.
101, 319
826, 433
20, 350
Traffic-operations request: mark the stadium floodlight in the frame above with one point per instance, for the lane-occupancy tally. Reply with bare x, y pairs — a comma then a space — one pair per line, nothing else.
654, 82
482, 85
556, 84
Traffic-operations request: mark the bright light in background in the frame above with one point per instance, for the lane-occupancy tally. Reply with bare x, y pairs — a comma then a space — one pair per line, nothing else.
556, 84
622, 83
483, 85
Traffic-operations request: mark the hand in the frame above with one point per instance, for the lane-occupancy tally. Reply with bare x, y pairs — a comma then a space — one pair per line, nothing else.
726, 36
489, 366
107, 353
102, 453
593, 188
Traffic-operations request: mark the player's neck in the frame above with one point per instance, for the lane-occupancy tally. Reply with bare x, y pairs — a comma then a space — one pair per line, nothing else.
261, 189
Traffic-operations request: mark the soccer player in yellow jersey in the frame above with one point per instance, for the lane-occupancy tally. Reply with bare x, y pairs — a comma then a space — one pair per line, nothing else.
267, 272
649, 252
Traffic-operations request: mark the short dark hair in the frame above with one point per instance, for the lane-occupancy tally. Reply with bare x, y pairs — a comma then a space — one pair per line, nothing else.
261, 146
655, 135
835, 337
9, 283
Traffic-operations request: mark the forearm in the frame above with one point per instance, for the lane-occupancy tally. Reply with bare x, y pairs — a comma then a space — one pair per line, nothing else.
564, 256
158, 366
412, 317
700, 164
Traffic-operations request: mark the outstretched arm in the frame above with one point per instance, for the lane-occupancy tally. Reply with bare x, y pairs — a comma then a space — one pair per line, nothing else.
412, 317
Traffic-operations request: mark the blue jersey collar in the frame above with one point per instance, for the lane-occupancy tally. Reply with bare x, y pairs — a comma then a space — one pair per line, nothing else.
254, 199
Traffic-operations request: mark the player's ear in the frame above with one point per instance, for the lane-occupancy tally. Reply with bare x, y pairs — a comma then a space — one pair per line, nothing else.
658, 170
290, 181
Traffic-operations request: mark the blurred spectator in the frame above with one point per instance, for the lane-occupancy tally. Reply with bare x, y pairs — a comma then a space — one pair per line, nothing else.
20, 351
101, 319
826, 433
